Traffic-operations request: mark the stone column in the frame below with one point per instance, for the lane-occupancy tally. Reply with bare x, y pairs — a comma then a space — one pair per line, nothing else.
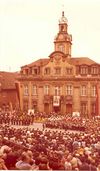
89, 99
63, 105
98, 99
30, 96
50, 105
40, 99
20, 88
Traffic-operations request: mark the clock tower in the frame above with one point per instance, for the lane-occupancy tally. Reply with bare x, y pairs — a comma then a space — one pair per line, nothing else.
63, 40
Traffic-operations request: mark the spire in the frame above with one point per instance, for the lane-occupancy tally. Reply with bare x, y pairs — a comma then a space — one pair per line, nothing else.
63, 19
62, 13
63, 40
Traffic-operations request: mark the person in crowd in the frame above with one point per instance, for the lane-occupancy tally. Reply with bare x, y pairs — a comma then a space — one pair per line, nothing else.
24, 162
2, 162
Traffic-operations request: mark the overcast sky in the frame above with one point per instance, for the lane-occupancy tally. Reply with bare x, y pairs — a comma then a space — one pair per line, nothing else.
28, 28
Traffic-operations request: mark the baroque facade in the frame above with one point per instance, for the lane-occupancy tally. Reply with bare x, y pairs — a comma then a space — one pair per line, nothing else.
61, 83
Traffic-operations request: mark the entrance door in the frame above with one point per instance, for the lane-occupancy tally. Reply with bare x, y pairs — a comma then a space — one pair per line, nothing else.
68, 108
46, 108
56, 109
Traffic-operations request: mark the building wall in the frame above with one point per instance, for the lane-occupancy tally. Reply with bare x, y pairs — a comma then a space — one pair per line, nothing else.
44, 103
9, 97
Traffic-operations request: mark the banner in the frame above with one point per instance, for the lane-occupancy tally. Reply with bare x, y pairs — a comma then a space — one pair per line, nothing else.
56, 100
98, 99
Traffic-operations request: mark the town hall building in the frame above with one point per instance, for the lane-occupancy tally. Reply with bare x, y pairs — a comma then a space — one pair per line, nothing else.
60, 82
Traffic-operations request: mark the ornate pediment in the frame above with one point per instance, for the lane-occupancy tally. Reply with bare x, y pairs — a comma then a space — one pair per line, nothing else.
57, 55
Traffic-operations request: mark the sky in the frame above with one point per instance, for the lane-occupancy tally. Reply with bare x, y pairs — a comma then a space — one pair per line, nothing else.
28, 29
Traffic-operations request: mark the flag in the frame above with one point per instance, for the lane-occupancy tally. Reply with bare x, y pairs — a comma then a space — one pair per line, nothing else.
98, 100
17, 89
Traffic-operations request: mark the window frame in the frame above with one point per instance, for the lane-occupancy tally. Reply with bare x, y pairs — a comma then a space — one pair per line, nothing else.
57, 70
46, 89
34, 90
69, 90
93, 91
83, 90
69, 71
26, 90
94, 70
57, 91
83, 108
47, 71
84, 70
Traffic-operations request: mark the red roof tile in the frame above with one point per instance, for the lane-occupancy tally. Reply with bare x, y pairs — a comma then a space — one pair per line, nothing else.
81, 60
7, 80
39, 62
72, 60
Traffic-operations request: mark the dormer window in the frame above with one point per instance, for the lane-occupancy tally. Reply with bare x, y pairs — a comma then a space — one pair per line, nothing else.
57, 71
69, 71
94, 70
26, 71
84, 70
47, 71
35, 71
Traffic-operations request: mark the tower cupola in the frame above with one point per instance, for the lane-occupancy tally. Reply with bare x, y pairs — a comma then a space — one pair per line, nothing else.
63, 40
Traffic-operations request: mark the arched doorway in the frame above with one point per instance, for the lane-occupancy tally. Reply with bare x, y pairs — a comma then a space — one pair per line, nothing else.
69, 108
46, 108
56, 109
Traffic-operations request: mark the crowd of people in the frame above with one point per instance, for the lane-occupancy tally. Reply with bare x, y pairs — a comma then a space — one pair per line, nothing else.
66, 123
33, 149
24, 148
16, 117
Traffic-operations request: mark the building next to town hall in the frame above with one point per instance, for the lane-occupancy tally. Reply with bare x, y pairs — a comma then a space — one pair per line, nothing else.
8, 94
60, 82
